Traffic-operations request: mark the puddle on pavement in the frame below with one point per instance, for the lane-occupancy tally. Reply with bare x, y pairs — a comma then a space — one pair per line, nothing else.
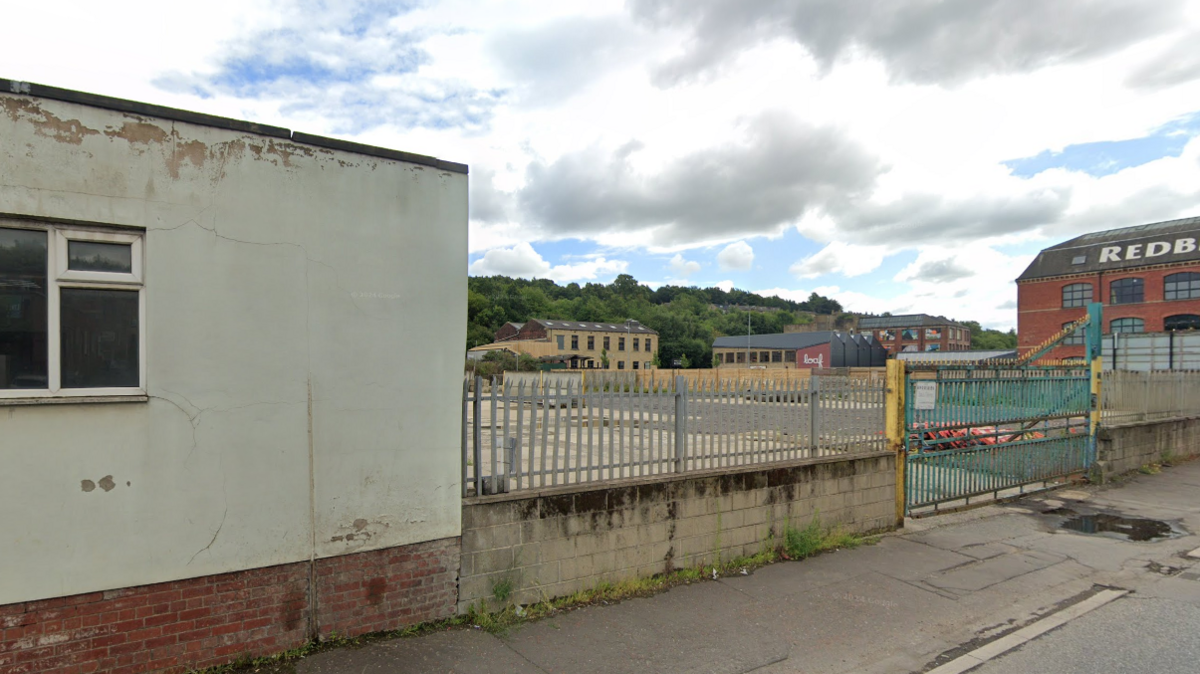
1134, 529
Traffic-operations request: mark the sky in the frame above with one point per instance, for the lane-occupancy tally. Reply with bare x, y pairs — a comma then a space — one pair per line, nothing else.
896, 155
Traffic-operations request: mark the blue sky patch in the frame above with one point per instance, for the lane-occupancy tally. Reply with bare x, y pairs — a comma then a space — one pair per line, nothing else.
1107, 157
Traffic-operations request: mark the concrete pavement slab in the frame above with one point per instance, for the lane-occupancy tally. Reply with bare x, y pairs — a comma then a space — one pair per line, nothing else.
906, 559
842, 627
986, 550
986, 573
998, 528
1176, 588
1098, 552
707, 627
455, 651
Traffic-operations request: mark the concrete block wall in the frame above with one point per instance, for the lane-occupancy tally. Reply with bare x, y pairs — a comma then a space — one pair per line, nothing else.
1124, 448
557, 541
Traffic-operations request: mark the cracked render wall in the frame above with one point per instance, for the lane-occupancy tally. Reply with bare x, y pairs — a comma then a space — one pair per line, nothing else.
292, 413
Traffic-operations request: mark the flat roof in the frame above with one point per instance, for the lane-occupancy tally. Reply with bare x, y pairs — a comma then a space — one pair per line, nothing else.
202, 119
1115, 249
956, 355
556, 324
904, 321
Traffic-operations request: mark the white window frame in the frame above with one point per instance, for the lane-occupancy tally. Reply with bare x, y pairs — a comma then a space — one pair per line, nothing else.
58, 277
63, 238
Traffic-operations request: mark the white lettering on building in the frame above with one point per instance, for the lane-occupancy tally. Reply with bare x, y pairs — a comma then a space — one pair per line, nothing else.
1158, 248
1155, 249
819, 361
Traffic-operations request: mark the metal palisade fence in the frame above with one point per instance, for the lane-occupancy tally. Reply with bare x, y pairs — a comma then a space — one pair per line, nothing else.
1132, 397
520, 436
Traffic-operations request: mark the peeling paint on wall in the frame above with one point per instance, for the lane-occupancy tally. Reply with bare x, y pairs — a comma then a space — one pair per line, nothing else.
139, 133
46, 124
360, 531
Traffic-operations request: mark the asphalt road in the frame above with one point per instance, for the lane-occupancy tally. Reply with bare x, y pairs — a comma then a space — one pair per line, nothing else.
1133, 635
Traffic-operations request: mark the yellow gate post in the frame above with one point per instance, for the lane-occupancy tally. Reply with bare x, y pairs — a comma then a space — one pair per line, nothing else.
894, 423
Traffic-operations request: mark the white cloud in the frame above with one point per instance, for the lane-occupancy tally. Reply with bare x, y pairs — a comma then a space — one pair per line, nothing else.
723, 285
591, 145
523, 261
737, 256
520, 260
683, 268
840, 258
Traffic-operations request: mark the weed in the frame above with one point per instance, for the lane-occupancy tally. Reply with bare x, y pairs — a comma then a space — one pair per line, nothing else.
812, 539
503, 589
1150, 469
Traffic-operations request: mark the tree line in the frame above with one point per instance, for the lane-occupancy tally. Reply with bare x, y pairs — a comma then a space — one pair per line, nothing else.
687, 319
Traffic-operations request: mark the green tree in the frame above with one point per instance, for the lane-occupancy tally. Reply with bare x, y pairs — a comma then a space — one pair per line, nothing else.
990, 340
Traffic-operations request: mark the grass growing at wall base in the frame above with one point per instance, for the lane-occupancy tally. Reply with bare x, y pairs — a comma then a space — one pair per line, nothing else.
796, 544
812, 539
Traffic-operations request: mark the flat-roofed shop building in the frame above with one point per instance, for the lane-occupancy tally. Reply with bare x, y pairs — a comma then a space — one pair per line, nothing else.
218, 442
798, 350
1148, 278
628, 345
916, 332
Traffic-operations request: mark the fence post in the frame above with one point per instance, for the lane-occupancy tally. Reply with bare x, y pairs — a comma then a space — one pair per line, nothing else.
680, 424
814, 414
1092, 343
477, 432
465, 447
894, 423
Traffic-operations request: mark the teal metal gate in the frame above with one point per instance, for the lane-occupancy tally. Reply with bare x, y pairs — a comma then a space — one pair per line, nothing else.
974, 429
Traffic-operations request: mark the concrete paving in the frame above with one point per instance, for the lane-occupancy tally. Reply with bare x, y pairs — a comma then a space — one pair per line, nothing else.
943, 586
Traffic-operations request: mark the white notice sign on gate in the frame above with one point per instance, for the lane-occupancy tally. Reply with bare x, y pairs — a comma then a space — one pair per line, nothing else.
924, 395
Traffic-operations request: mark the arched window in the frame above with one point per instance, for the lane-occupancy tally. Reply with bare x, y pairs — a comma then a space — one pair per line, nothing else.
1127, 291
1120, 325
1182, 286
1181, 322
1076, 295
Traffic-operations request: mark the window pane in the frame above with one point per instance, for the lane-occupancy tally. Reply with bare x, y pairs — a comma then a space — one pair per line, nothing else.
23, 325
1076, 295
1182, 322
1122, 325
99, 338
96, 256
1127, 291
1182, 286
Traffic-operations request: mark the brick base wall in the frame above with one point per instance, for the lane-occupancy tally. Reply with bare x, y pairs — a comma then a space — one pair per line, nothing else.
387, 589
1121, 449
214, 620
560, 540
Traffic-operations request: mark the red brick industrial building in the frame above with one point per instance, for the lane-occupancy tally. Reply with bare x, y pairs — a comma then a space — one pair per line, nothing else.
916, 332
1148, 278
